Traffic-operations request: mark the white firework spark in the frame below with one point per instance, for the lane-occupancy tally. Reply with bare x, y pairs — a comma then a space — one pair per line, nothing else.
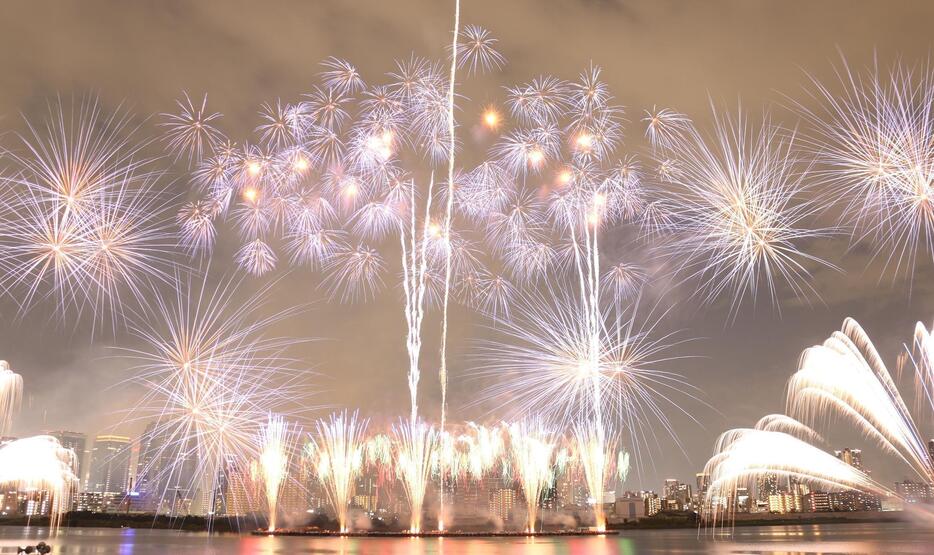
336, 452
40, 464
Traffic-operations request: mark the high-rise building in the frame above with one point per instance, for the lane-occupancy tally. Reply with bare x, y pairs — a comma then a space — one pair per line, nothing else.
502, 501
817, 502
571, 490
914, 492
766, 486
785, 503
670, 489
167, 472
852, 457
702, 481
110, 464
653, 504
931, 450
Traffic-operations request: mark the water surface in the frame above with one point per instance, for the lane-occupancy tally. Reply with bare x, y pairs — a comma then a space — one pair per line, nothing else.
811, 539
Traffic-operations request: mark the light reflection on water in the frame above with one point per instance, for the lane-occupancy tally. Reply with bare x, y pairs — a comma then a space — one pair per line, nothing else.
784, 540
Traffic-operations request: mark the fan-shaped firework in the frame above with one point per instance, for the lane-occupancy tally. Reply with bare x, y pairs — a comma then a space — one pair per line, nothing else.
843, 377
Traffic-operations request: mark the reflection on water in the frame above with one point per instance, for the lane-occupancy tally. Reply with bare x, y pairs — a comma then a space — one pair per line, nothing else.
811, 539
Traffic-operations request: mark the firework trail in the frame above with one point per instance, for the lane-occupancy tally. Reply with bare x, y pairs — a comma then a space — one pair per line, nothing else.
86, 217
37, 464
448, 213
532, 450
11, 394
871, 139
275, 445
337, 454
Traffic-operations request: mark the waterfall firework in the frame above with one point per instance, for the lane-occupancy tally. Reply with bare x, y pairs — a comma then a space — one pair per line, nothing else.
11, 393
40, 464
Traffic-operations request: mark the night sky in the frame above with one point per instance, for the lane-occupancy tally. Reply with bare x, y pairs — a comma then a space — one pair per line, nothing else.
682, 55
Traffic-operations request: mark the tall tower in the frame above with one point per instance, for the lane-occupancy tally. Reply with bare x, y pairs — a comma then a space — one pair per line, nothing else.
110, 464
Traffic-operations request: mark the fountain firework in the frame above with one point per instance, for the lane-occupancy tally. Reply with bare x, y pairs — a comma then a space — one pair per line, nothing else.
275, 444
414, 445
532, 452
336, 453
41, 464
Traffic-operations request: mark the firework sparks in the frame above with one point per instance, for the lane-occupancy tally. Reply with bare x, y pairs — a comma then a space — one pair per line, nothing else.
337, 453
532, 452
739, 210
873, 141
38, 464
275, 445
212, 374
86, 217
11, 393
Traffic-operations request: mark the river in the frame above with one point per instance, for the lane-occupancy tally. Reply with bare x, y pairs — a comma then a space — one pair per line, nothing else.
812, 539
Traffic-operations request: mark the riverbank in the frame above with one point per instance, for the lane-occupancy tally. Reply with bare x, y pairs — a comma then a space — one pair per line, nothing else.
662, 521
677, 520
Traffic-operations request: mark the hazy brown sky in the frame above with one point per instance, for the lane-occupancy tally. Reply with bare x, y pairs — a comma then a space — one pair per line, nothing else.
665, 53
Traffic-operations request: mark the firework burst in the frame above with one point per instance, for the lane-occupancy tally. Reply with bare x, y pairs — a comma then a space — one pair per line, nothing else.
739, 210
872, 140
212, 375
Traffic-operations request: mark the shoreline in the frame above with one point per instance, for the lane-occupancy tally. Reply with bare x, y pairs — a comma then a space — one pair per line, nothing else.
248, 525
447, 534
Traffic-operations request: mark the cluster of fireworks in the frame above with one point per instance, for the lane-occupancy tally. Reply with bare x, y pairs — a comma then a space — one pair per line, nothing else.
843, 378
361, 183
415, 457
